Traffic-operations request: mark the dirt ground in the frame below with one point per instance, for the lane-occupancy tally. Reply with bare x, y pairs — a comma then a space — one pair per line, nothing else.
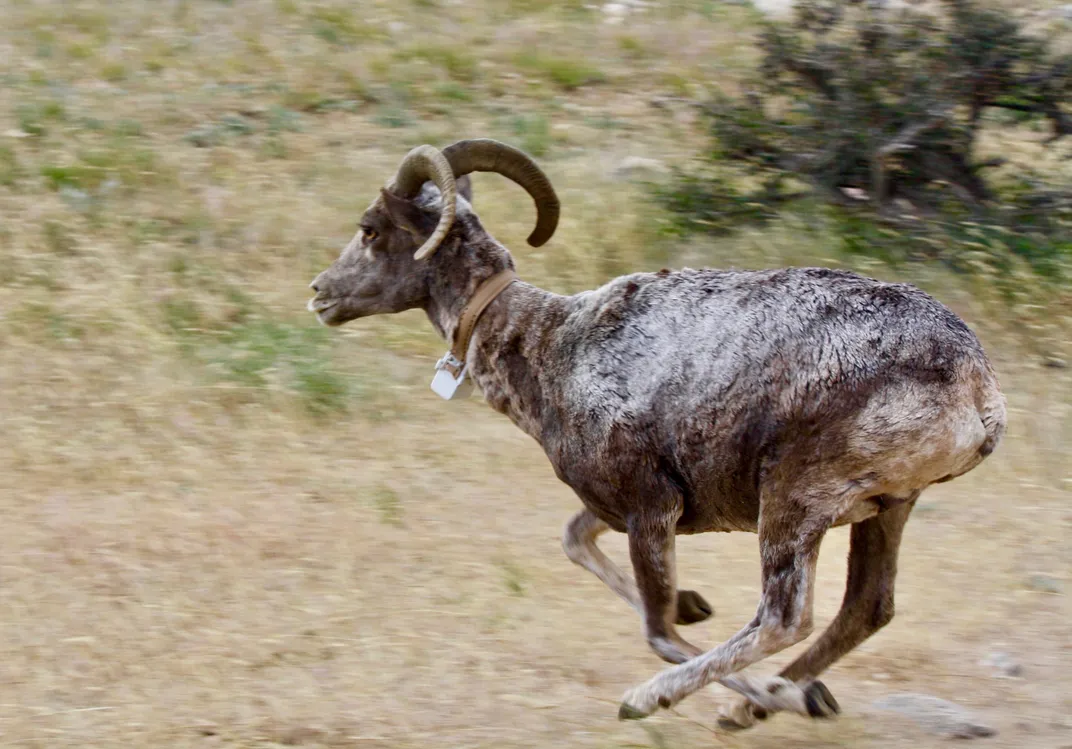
401, 584
223, 526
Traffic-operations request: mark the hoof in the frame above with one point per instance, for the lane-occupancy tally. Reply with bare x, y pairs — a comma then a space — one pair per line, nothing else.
820, 703
628, 712
691, 607
745, 715
730, 725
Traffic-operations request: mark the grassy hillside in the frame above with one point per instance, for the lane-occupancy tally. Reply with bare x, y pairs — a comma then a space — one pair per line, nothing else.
227, 526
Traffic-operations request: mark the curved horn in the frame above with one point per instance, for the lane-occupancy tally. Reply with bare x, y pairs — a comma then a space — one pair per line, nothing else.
486, 155
421, 164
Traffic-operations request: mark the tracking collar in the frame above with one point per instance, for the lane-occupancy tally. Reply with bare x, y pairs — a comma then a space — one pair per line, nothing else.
449, 382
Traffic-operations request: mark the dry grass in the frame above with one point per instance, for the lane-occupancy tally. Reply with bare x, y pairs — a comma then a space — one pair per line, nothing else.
224, 526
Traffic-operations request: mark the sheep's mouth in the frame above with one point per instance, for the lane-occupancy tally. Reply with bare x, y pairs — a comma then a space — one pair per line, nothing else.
320, 305
324, 310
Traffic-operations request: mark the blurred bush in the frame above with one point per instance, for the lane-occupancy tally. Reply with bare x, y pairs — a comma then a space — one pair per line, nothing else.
872, 115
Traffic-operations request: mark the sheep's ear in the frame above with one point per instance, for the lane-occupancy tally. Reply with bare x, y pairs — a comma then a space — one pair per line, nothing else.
407, 215
465, 187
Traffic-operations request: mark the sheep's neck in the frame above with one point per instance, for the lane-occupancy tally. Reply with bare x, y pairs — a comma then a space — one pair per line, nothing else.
509, 342
511, 348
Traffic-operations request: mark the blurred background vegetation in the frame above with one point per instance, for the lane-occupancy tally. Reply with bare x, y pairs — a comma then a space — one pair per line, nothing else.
224, 524
888, 122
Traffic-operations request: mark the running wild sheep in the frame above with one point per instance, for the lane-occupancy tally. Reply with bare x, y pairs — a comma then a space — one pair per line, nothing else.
780, 402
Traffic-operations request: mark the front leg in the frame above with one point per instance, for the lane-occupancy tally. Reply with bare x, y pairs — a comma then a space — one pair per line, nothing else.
579, 543
790, 531
651, 549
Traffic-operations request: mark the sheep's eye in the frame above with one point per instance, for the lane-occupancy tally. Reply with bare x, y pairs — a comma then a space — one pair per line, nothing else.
368, 234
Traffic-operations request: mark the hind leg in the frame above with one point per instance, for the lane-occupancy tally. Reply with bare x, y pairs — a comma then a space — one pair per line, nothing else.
866, 608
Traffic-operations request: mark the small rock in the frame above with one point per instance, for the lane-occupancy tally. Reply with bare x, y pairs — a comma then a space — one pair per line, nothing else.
1053, 362
936, 716
856, 193
1044, 584
775, 8
207, 728
78, 200
1065, 12
632, 165
1002, 665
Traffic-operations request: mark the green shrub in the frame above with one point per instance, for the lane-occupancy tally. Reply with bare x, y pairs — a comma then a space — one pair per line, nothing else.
878, 112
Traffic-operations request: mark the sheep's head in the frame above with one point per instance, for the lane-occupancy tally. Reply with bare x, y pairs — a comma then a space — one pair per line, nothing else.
389, 265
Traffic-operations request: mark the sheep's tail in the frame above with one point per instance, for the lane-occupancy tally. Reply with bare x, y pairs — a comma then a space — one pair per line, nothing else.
990, 404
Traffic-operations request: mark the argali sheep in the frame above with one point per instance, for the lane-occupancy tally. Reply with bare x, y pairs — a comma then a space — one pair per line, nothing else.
781, 402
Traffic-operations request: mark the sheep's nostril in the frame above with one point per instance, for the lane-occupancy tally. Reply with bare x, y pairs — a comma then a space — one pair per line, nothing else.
314, 287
